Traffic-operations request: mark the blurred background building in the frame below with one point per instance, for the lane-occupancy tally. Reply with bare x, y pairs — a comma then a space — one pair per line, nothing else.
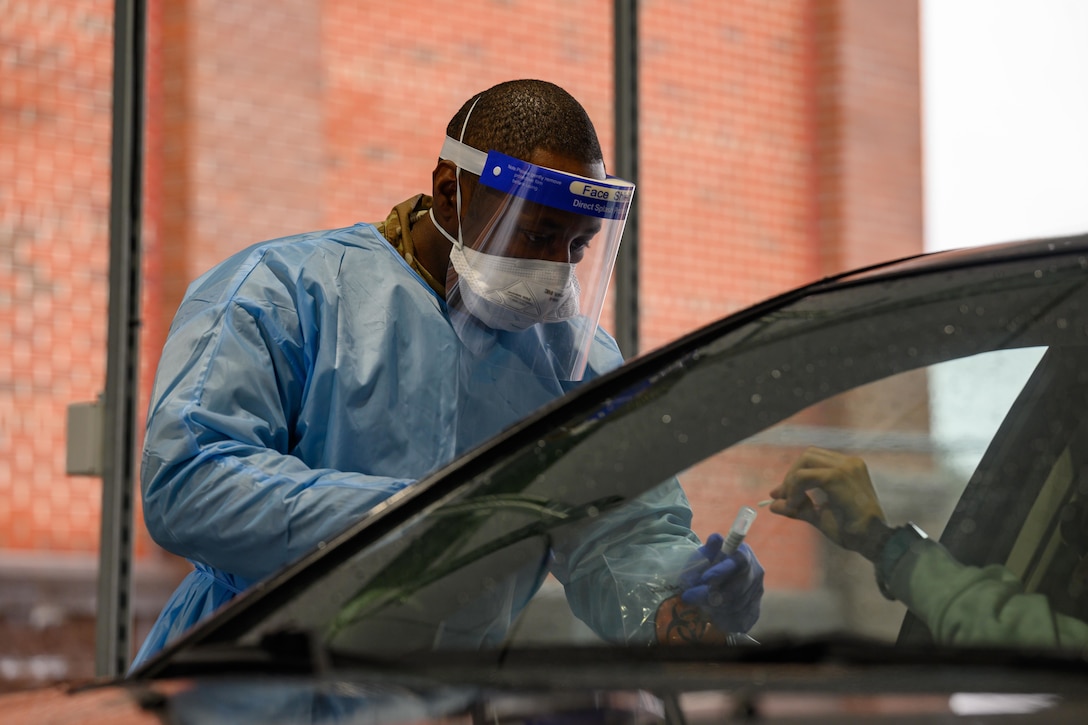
781, 141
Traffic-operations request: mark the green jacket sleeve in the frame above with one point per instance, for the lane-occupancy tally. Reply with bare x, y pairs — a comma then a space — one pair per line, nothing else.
969, 605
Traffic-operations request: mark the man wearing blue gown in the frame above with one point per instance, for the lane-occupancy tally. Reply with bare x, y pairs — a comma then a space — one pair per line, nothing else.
309, 378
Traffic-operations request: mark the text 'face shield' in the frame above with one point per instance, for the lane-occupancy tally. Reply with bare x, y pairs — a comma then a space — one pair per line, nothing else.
535, 253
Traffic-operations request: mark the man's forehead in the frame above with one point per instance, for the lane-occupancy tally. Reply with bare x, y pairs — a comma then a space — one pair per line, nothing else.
560, 162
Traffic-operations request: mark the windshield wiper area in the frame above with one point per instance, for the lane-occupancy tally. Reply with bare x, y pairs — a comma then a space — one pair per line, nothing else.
283, 652
818, 664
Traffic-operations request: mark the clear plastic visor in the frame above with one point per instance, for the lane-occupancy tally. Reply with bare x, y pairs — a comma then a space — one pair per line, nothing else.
535, 254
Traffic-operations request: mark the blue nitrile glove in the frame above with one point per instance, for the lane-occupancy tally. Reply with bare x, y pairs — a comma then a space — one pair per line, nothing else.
727, 587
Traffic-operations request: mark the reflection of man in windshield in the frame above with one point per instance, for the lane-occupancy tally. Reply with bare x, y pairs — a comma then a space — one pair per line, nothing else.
307, 379
960, 604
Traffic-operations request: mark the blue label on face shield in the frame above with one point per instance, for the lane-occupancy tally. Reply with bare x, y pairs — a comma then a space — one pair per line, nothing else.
604, 199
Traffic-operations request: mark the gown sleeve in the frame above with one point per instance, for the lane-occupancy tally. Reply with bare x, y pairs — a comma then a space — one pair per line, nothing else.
220, 484
618, 569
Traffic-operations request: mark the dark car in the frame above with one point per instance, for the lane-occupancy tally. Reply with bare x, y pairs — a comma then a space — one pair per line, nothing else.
961, 378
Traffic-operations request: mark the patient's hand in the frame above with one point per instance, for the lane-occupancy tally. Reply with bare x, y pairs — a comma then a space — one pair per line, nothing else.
834, 493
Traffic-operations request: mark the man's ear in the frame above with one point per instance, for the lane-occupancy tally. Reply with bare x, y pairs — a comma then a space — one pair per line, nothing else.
444, 194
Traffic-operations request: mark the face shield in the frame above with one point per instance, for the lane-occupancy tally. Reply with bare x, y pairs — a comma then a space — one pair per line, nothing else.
533, 257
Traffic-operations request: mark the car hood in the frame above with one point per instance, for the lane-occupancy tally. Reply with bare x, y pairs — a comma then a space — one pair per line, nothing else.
822, 681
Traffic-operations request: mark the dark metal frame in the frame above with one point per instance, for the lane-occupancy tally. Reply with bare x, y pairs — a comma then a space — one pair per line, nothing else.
625, 69
113, 633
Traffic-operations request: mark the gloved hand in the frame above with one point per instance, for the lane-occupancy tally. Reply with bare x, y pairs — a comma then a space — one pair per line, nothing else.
728, 588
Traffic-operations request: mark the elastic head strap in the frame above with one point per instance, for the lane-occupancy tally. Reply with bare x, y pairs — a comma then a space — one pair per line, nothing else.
463, 155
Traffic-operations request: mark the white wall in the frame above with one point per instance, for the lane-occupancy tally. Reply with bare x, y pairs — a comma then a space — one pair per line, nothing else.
1005, 89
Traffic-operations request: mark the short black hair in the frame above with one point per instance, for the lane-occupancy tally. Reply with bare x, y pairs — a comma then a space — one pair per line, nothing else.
522, 116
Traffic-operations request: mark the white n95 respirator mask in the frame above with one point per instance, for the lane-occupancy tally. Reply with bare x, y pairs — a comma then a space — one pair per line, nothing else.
511, 293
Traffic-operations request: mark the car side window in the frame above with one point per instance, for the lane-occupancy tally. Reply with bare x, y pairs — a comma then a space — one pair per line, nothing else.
1030, 491
923, 434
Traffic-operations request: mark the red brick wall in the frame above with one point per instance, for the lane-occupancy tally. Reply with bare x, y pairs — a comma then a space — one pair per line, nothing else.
726, 160
868, 140
781, 142
767, 136
394, 79
55, 86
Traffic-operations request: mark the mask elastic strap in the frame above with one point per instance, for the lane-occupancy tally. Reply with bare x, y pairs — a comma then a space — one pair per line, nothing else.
464, 126
458, 159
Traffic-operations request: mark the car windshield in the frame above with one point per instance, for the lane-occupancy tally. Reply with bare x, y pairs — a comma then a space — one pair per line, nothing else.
962, 385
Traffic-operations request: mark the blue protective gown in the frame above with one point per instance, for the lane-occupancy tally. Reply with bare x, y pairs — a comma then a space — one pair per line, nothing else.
307, 379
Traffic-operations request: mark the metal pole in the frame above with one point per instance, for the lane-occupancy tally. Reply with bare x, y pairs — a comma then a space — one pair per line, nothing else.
114, 623
625, 29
